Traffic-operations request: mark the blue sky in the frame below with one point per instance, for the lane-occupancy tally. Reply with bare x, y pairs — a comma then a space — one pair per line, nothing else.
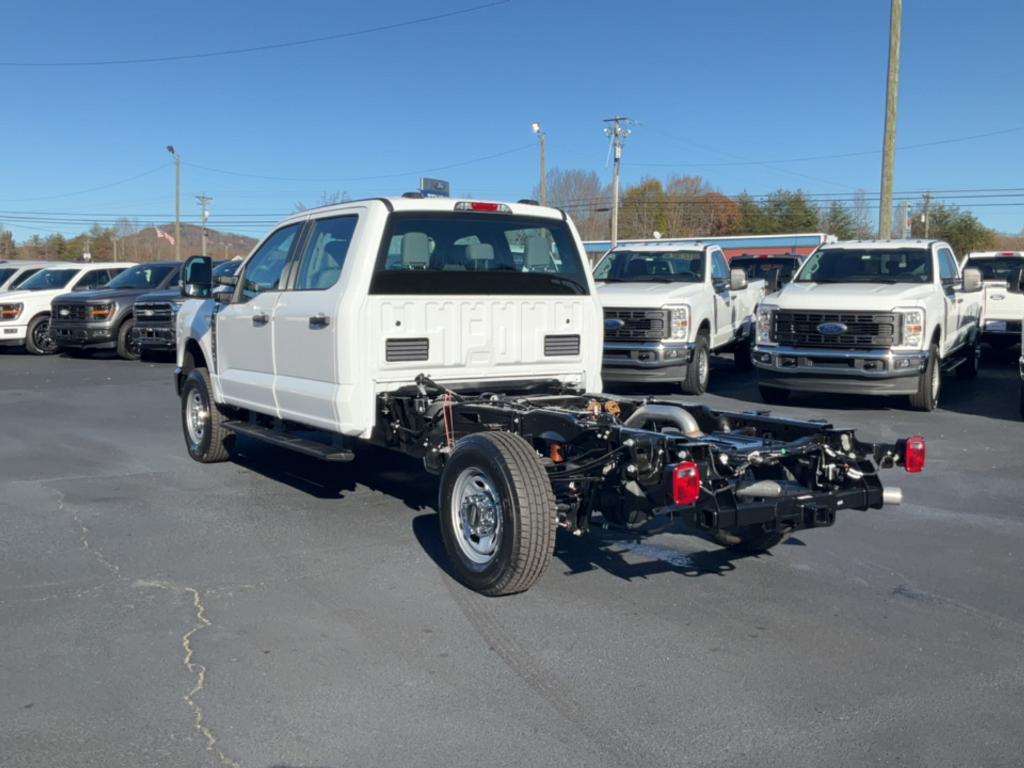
708, 83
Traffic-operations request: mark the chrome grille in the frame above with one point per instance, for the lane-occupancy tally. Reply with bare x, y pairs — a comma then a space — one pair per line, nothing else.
864, 330
638, 324
153, 313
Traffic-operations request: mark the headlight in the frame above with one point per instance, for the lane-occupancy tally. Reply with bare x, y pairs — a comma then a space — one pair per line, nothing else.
678, 323
913, 328
10, 311
764, 325
101, 311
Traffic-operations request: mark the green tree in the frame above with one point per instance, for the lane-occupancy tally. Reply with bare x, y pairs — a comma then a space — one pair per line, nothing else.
838, 220
787, 211
8, 250
752, 220
961, 229
643, 210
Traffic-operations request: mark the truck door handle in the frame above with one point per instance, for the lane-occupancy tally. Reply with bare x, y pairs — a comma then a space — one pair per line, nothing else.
260, 319
319, 321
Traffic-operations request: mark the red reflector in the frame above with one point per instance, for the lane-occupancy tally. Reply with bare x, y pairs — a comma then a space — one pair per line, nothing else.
483, 206
686, 483
914, 454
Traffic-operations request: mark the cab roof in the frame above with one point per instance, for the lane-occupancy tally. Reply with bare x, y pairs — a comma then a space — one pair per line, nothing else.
882, 244
431, 205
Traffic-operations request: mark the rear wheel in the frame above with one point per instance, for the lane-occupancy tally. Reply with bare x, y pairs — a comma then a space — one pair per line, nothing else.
128, 345
968, 369
497, 512
699, 370
202, 421
741, 356
773, 395
929, 384
37, 338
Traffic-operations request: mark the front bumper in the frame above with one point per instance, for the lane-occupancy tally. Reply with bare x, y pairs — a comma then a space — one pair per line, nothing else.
644, 361
156, 336
82, 335
872, 372
13, 335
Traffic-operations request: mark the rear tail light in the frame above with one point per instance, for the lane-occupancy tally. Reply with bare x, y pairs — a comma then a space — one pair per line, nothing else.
686, 483
914, 453
472, 205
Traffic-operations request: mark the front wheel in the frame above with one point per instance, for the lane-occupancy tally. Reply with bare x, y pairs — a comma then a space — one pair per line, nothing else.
37, 338
202, 421
929, 383
699, 370
497, 510
128, 345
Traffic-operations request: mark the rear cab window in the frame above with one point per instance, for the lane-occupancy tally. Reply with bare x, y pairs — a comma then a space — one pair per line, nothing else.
478, 253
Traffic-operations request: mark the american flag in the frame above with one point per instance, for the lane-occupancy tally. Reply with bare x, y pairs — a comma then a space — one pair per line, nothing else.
165, 235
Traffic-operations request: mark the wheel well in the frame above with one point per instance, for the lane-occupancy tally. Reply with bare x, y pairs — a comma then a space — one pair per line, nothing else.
704, 326
191, 359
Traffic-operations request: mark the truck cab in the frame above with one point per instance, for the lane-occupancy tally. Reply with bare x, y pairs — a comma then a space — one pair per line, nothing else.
1002, 309
668, 307
883, 317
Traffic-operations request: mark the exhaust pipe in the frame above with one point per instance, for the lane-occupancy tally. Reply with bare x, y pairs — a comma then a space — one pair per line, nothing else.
892, 496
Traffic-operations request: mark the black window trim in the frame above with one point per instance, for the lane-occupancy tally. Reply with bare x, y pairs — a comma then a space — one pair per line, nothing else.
286, 271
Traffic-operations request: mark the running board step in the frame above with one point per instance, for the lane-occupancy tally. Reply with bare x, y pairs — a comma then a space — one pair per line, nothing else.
289, 440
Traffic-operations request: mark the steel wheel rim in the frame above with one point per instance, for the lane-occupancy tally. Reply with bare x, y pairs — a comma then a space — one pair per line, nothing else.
475, 511
702, 367
196, 416
936, 381
41, 336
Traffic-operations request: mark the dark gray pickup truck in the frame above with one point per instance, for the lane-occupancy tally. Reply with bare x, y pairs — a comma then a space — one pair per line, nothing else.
104, 318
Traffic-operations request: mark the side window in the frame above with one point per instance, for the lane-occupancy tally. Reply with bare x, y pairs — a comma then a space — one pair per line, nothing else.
263, 272
97, 278
325, 253
719, 269
23, 277
947, 267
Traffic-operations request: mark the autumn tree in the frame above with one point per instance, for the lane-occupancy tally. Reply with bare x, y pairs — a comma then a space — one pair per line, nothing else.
584, 196
643, 210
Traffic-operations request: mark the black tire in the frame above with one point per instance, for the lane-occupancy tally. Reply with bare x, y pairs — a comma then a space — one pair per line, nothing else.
698, 372
128, 346
751, 539
742, 355
969, 368
773, 395
207, 440
37, 338
504, 470
929, 384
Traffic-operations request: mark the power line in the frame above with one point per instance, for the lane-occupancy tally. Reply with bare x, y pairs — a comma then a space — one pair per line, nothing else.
86, 191
255, 48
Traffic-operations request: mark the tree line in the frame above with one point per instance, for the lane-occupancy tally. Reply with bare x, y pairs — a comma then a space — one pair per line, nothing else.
689, 206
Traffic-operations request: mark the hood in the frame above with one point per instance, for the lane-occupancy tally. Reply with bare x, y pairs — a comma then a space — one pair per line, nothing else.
849, 296
647, 295
170, 294
123, 295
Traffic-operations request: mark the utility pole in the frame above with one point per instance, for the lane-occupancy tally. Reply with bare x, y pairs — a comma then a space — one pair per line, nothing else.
892, 89
543, 173
204, 200
925, 217
177, 202
617, 133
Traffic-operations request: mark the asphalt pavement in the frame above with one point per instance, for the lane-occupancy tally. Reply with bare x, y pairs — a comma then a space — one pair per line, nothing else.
280, 611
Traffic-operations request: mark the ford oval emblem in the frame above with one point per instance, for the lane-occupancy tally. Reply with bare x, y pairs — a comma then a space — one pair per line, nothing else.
831, 329
614, 324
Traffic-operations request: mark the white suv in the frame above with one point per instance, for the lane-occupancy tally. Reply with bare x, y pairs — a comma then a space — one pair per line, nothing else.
25, 313
882, 317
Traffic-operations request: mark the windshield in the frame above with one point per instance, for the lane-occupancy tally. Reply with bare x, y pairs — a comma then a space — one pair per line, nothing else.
651, 267
999, 268
49, 279
758, 268
478, 253
5, 275
874, 265
143, 276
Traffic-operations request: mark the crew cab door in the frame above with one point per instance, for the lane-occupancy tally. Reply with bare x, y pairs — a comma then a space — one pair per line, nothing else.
725, 310
949, 276
307, 334
244, 328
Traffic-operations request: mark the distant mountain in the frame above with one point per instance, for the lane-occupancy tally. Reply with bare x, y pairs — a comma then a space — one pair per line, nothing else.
146, 245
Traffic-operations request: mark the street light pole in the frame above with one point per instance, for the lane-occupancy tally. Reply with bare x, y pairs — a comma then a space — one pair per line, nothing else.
892, 89
177, 202
543, 173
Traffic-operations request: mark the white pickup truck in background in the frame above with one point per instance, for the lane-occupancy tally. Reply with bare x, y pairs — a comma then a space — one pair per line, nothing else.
883, 317
667, 308
1002, 310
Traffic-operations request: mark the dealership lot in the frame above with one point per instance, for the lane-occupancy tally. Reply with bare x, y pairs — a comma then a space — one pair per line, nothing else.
278, 611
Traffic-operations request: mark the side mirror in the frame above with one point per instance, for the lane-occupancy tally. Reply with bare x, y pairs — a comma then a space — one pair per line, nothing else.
197, 277
773, 280
972, 280
1015, 282
737, 279
228, 280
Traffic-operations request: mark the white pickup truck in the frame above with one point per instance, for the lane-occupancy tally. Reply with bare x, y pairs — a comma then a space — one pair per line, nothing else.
1002, 310
883, 317
467, 334
668, 307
